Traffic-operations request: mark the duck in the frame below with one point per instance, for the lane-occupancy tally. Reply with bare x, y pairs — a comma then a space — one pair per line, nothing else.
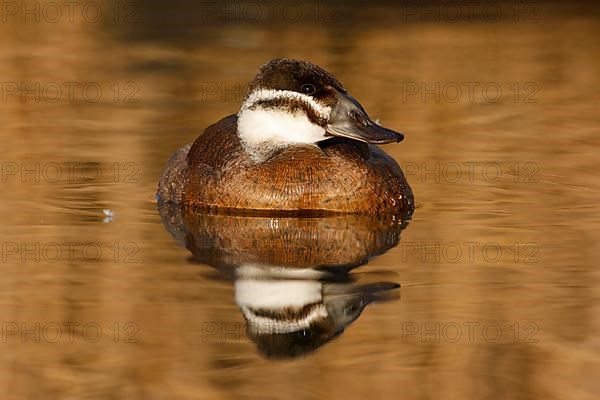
299, 144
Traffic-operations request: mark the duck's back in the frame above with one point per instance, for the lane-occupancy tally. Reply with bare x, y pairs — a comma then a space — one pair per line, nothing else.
340, 175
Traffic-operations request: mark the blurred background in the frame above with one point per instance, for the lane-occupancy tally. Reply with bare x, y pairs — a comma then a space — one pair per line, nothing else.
499, 104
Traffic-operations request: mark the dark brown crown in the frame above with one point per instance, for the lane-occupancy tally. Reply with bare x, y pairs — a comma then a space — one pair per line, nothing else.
289, 74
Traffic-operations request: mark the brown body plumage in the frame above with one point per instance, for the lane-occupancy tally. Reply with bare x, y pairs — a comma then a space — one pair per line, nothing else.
341, 175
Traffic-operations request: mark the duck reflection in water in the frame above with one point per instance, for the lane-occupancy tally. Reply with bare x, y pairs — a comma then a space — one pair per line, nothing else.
293, 277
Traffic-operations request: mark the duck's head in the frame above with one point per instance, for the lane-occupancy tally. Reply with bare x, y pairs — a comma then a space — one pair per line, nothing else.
296, 102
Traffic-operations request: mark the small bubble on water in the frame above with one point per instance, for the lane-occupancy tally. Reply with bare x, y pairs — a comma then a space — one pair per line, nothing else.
108, 215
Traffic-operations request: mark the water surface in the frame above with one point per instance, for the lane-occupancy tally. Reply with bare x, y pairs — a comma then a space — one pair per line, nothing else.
497, 267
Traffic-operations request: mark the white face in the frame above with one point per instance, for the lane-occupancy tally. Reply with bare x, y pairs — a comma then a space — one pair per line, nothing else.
263, 128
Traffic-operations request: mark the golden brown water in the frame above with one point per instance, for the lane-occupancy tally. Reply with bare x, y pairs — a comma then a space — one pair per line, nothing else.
499, 295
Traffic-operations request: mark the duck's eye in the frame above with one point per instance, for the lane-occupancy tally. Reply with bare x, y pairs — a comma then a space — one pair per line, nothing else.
308, 88
304, 334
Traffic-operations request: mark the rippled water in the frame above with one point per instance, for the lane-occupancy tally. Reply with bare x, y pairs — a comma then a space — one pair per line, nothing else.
497, 270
